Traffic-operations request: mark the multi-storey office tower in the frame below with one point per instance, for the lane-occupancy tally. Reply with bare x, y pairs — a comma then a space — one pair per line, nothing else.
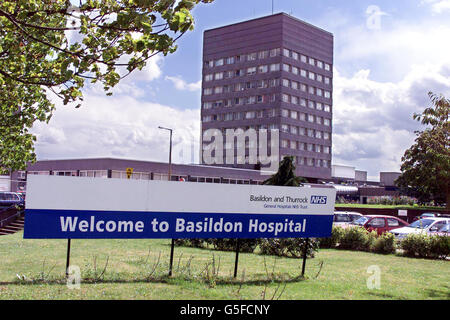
273, 72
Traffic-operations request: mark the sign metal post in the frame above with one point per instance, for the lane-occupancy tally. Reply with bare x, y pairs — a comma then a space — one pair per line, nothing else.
68, 258
236, 261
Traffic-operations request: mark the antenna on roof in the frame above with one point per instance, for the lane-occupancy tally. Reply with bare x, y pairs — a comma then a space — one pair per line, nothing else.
272, 6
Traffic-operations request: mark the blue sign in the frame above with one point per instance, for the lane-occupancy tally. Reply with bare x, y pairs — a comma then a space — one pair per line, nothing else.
94, 208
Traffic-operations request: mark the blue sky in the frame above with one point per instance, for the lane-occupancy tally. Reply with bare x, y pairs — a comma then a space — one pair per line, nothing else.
388, 55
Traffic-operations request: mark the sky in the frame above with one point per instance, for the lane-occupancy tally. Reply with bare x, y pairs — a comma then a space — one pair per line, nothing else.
387, 56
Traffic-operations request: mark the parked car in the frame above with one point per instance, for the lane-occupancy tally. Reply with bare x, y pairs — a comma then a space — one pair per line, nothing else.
8, 199
378, 223
344, 218
426, 215
443, 231
424, 226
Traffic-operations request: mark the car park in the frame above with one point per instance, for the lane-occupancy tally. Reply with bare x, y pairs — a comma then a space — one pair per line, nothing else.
422, 226
8, 199
379, 223
344, 218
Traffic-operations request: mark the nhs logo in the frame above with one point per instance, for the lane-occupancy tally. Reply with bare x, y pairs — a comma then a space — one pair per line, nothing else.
318, 199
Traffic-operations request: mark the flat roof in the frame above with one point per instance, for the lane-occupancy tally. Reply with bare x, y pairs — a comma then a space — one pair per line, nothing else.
265, 17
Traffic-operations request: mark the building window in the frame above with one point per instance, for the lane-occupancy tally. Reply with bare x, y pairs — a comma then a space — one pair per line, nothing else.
209, 77
303, 102
319, 134
286, 53
218, 90
219, 75
310, 118
327, 80
285, 83
303, 73
327, 94
319, 77
311, 75
275, 67
326, 136
311, 61
327, 108
285, 128
326, 122
218, 63
207, 105
294, 55
275, 52
263, 69
284, 143
303, 87
285, 97
303, 58
230, 60
327, 67
294, 100
294, 130
251, 71
207, 91
294, 114
320, 64
294, 70
311, 90
311, 105
284, 113
319, 106
263, 54
252, 56
294, 85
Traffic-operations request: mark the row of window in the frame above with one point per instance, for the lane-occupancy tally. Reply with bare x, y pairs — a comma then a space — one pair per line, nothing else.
311, 162
265, 69
264, 54
267, 83
267, 113
297, 145
266, 99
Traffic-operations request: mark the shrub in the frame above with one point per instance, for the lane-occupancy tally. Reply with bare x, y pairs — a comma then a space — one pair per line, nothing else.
416, 245
357, 238
245, 245
439, 246
288, 247
332, 242
384, 244
426, 246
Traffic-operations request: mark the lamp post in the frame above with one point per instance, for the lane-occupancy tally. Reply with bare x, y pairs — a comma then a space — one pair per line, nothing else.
172, 246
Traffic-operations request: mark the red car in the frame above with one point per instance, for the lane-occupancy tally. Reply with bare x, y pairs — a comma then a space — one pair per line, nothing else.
380, 224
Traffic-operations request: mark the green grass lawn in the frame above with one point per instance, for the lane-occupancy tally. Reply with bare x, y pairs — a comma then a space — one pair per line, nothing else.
133, 272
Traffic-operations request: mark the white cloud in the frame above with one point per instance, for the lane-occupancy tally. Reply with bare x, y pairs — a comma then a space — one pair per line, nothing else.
118, 126
438, 6
180, 84
373, 123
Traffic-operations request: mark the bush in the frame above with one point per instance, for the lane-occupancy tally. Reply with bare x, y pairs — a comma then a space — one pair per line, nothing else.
426, 246
245, 245
384, 244
357, 238
288, 247
331, 242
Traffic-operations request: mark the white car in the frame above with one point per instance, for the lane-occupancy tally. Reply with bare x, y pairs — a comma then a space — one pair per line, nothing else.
344, 218
424, 226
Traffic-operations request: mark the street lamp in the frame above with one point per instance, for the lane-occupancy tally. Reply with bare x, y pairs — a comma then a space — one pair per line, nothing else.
172, 246
170, 151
